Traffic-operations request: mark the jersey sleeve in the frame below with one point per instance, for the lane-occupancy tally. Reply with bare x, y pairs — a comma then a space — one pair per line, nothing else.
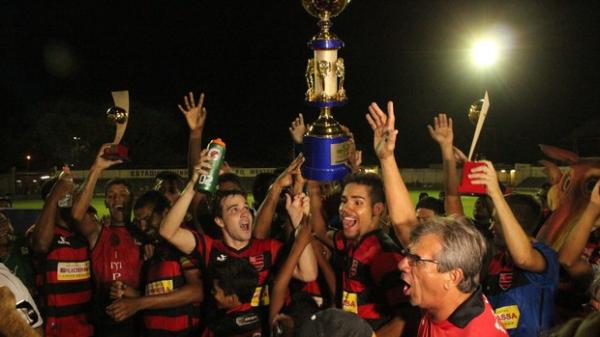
201, 252
548, 277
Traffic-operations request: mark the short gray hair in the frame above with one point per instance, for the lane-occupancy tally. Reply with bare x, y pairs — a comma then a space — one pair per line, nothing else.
463, 247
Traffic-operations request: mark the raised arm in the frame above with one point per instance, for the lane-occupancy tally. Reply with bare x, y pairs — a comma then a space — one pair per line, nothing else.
282, 280
442, 132
400, 208
83, 197
307, 269
266, 211
569, 254
44, 228
517, 241
195, 116
191, 292
170, 227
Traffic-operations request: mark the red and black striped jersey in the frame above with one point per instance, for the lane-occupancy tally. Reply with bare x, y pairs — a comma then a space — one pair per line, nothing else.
65, 276
164, 273
261, 253
368, 275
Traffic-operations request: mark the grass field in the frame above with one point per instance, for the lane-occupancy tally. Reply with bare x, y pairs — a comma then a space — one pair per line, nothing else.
98, 203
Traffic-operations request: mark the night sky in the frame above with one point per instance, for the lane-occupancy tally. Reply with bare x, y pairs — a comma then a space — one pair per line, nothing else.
249, 58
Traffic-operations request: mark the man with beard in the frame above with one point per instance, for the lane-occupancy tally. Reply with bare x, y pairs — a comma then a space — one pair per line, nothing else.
115, 254
170, 281
232, 214
64, 265
364, 256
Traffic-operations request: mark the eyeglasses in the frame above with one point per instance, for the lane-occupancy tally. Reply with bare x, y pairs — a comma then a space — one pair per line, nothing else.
414, 259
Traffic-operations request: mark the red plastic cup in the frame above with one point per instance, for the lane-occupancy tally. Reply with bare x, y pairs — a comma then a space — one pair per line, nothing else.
466, 186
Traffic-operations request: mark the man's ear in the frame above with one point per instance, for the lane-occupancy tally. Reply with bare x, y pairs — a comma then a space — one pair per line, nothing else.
455, 277
219, 222
378, 208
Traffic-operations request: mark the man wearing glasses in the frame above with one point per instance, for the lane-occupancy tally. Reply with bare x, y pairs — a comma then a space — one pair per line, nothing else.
441, 271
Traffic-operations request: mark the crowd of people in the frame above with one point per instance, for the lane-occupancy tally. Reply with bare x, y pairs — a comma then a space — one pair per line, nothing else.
307, 258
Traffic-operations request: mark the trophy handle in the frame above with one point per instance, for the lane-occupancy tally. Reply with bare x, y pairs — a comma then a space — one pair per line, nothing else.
121, 100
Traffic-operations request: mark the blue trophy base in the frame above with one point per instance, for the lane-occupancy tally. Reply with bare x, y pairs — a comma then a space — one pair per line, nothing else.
325, 158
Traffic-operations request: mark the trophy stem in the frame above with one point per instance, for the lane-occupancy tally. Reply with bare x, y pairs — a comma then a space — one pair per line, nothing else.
325, 22
325, 113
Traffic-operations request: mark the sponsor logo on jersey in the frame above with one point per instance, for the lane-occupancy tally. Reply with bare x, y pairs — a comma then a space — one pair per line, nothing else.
159, 287
63, 241
350, 302
73, 271
509, 316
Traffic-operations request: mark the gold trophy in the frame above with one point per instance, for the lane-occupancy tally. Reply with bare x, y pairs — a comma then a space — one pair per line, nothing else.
325, 145
119, 116
477, 115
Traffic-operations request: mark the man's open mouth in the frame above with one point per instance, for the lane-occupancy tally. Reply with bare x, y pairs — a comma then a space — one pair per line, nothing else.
245, 226
349, 222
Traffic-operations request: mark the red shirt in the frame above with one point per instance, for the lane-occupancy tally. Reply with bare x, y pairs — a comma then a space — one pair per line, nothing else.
116, 256
473, 318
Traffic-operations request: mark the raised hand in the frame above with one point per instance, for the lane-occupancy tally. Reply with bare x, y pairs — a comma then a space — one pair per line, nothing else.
285, 179
354, 160
384, 133
298, 129
486, 175
441, 131
195, 113
102, 163
299, 181
297, 207
64, 184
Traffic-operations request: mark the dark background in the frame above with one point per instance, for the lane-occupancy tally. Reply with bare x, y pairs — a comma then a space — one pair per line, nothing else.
60, 60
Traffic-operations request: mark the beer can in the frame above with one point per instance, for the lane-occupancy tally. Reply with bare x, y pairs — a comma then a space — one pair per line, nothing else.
216, 152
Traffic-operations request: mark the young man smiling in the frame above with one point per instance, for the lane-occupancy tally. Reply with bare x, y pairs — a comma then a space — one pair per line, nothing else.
366, 258
232, 214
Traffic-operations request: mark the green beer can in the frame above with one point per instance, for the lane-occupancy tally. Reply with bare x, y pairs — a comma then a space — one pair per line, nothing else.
216, 152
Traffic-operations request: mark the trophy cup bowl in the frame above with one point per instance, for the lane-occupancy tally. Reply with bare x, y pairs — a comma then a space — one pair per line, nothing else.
475, 111
320, 8
118, 117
